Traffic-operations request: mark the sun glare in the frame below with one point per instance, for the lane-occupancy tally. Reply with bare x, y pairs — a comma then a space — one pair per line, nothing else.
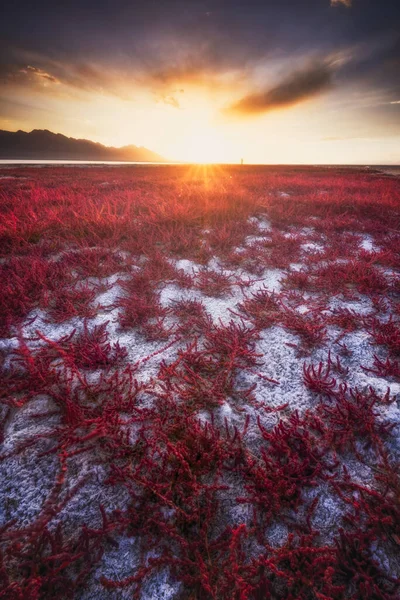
207, 147
205, 144
200, 138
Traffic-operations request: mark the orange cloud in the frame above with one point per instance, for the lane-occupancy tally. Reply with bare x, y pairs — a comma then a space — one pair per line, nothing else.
344, 2
40, 73
295, 88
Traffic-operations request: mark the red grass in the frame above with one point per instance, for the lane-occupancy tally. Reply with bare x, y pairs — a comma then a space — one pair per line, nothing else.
26, 283
387, 368
189, 471
386, 334
214, 283
262, 308
309, 326
292, 460
67, 302
141, 307
319, 380
193, 317
87, 350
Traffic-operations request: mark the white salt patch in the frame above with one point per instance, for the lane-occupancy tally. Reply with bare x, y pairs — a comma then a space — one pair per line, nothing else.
368, 244
271, 280
328, 513
215, 265
203, 416
226, 411
26, 482
8, 344
277, 534
363, 305
312, 246
380, 385
40, 320
188, 266
172, 293
296, 266
109, 297
219, 308
262, 223
280, 362
302, 309
160, 587
253, 239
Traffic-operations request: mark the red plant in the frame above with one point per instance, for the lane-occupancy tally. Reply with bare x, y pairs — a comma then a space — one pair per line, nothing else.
203, 486
353, 417
263, 308
343, 277
69, 302
193, 317
214, 283
25, 284
94, 262
361, 572
87, 350
293, 460
309, 326
346, 319
389, 368
299, 280
319, 380
385, 333
141, 307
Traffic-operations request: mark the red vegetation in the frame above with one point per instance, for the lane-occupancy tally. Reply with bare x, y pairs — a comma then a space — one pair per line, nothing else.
202, 459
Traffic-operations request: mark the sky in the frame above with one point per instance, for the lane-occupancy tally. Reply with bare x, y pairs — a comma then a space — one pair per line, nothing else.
288, 81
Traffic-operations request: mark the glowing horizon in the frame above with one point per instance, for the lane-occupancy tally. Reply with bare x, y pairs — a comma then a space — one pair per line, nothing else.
182, 88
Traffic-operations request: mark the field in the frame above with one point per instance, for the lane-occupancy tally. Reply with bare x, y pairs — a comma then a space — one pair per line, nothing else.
199, 370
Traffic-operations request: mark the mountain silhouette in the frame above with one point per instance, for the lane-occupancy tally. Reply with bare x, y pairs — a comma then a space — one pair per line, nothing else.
41, 144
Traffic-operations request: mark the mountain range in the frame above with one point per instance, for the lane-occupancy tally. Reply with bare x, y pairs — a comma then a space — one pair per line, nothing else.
41, 144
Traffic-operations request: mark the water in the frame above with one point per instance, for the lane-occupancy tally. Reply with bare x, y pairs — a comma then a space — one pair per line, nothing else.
4, 162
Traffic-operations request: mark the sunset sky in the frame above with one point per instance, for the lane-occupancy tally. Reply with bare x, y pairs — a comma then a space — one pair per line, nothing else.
272, 81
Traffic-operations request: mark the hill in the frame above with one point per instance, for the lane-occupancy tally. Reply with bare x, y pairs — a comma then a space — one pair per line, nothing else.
41, 144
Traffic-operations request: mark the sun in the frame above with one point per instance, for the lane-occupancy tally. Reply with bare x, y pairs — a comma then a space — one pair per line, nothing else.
207, 145
199, 137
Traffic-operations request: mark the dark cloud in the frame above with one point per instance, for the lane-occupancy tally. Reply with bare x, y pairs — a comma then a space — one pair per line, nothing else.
78, 76
295, 88
160, 45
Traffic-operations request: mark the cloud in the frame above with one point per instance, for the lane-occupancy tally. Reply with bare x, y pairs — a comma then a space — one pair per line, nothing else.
347, 3
342, 138
395, 102
295, 88
39, 73
187, 72
169, 100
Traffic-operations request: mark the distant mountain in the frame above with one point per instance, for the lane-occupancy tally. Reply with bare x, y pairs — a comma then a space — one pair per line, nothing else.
41, 144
